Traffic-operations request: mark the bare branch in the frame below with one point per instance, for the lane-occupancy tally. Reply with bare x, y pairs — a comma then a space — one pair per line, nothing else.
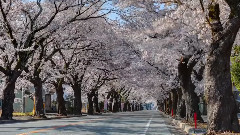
8, 26
39, 12
3, 70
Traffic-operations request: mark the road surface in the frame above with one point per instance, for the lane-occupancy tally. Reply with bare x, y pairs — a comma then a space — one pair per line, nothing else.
126, 123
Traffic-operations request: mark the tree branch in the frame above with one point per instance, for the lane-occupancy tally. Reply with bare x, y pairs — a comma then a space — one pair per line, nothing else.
8, 26
3, 70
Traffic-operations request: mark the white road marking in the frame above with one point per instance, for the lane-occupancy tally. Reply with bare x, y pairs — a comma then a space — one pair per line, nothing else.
147, 126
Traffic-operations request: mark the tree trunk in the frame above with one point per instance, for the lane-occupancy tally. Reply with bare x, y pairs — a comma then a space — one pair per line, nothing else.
119, 104
167, 108
116, 102
170, 104
160, 105
90, 103
60, 99
8, 98
110, 108
165, 105
115, 106
192, 106
129, 107
37, 82
174, 99
77, 99
141, 107
221, 109
181, 108
95, 100
187, 87
133, 107
125, 106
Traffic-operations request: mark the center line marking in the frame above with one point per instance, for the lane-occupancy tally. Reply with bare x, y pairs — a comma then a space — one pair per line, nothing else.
147, 126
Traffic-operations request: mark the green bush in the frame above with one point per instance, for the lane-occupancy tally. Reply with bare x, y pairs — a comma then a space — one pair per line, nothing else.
235, 67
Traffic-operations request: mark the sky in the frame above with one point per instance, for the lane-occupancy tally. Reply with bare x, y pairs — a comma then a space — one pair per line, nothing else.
109, 5
112, 15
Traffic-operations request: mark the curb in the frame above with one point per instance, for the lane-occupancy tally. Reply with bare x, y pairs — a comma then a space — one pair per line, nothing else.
29, 120
186, 127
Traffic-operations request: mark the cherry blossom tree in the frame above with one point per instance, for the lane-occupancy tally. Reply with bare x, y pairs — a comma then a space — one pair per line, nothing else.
36, 74
94, 80
25, 25
218, 85
221, 20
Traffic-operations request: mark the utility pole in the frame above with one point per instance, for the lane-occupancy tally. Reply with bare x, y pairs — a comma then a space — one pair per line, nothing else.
23, 101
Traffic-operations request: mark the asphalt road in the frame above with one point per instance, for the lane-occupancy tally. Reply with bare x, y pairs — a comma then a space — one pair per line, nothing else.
126, 123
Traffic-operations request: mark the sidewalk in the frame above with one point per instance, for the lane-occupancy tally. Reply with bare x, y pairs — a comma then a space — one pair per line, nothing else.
49, 116
190, 130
